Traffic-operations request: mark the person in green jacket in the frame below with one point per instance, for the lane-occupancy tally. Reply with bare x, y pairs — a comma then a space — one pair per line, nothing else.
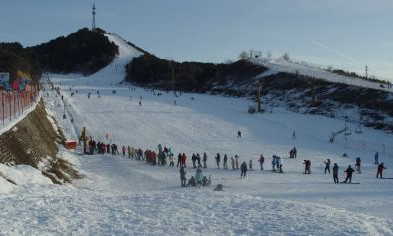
198, 176
335, 173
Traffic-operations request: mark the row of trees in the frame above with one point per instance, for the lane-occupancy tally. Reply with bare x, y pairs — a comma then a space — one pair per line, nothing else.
14, 58
244, 55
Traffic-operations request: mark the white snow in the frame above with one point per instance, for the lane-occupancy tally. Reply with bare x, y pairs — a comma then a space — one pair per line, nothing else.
5, 186
24, 175
119, 196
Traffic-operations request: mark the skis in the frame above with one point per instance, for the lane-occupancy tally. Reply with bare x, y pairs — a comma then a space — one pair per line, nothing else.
348, 183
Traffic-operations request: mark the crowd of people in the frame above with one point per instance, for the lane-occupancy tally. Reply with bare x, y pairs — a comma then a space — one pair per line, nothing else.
164, 155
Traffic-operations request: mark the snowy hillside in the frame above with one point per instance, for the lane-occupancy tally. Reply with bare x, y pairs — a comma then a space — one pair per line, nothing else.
115, 71
280, 65
126, 196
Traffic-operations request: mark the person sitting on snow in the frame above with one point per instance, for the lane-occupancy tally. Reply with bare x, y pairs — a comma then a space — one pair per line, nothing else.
192, 182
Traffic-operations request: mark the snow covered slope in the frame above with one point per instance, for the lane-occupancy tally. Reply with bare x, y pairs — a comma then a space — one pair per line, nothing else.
123, 196
280, 65
114, 73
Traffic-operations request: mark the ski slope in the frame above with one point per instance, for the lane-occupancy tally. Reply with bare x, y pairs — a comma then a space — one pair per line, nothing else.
123, 196
280, 65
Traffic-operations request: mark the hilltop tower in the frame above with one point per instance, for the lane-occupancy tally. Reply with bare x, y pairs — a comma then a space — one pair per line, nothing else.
93, 25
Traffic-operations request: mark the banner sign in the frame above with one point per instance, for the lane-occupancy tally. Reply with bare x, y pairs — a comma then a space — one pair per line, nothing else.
4, 77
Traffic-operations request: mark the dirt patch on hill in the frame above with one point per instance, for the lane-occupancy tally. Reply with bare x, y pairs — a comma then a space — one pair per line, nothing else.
34, 141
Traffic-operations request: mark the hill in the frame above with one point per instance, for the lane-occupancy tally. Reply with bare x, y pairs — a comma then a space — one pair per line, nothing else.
297, 87
83, 52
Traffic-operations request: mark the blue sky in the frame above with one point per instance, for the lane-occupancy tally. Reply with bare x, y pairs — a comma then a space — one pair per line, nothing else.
341, 33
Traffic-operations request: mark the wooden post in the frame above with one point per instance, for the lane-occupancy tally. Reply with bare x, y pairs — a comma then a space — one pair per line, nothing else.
84, 140
2, 105
9, 102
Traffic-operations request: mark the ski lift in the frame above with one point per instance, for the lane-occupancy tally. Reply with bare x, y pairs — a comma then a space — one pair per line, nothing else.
347, 130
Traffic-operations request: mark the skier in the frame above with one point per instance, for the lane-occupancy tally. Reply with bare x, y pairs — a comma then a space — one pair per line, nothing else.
183, 160
243, 168
183, 177
225, 161
233, 163
376, 158
108, 148
123, 149
358, 164
239, 134
349, 172
198, 177
218, 160
261, 161
237, 162
199, 160
179, 160
171, 160
274, 163
327, 165
280, 163
129, 152
293, 135
250, 164
204, 160
193, 158
381, 167
307, 166
335, 173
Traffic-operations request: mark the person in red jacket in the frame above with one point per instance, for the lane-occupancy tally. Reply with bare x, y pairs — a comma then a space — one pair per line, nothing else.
381, 167
183, 160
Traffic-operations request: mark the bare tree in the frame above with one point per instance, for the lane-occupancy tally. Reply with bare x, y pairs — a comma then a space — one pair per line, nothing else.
258, 54
243, 55
285, 57
269, 55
